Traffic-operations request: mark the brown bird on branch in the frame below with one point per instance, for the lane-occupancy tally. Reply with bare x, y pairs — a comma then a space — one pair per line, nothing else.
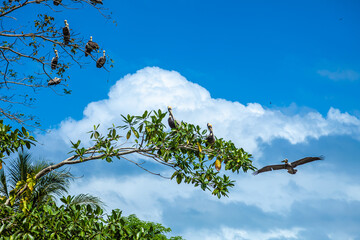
173, 123
54, 81
94, 2
101, 61
289, 166
57, 2
54, 60
210, 138
90, 45
66, 33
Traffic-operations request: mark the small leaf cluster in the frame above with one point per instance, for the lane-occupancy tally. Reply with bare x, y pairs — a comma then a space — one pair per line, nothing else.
13, 140
69, 221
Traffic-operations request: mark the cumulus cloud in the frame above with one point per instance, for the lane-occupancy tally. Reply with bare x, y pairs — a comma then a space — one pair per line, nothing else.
277, 192
142, 195
226, 233
246, 125
340, 75
272, 193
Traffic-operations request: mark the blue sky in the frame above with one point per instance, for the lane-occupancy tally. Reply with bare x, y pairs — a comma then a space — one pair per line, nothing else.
224, 63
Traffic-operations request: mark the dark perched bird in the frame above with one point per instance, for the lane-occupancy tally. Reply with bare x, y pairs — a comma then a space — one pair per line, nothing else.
57, 2
94, 2
90, 46
38, 1
66, 33
171, 120
101, 61
289, 166
54, 81
54, 60
210, 138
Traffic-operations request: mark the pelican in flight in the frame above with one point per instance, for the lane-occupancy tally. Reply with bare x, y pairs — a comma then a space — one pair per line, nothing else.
173, 123
289, 166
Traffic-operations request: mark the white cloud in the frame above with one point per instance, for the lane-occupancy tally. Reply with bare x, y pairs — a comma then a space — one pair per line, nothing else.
226, 233
339, 75
154, 88
278, 191
142, 195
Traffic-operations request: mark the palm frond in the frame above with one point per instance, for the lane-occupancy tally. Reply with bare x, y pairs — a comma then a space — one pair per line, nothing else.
19, 168
3, 184
87, 199
55, 183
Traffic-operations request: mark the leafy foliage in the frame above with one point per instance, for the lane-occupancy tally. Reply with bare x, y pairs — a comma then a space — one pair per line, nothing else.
184, 149
69, 221
11, 141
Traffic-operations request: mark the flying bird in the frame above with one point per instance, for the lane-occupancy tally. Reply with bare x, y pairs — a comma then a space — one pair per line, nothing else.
289, 166
54, 81
210, 138
66, 33
101, 61
57, 2
54, 60
173, 123
90, 45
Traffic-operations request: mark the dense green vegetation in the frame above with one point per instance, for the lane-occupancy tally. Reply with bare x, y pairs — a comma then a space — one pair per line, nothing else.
70, 221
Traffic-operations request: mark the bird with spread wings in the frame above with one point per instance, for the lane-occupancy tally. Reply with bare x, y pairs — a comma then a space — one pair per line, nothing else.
289, 166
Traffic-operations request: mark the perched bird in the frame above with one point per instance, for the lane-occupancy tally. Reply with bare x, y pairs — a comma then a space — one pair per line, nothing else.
38, 1
171, 120
94, 2
289, 166
210, 138
54, 60
54, 81
66, 33
57, 2
90, 46
101, 61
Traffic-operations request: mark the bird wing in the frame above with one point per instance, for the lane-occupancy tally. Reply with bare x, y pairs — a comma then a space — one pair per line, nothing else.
270, 168
93, 45
305, 160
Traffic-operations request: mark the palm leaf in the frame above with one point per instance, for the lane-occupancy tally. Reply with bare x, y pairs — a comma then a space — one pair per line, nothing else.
3, 184
87, 199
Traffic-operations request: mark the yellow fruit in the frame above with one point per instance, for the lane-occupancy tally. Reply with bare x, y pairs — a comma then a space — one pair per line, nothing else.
218, 164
